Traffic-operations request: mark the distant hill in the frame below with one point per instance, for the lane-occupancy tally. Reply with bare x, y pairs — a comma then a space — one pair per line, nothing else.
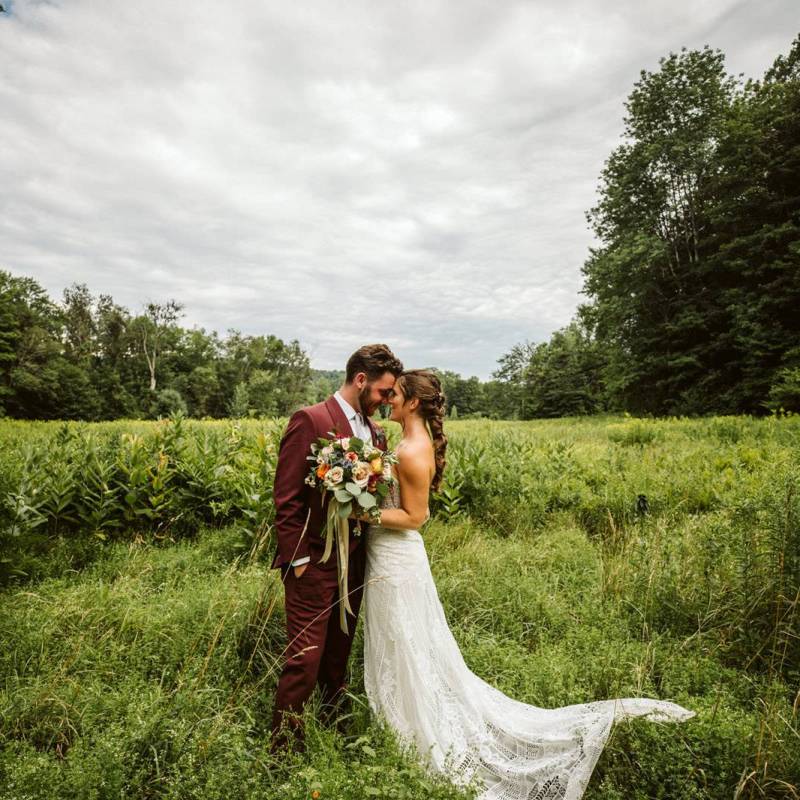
333, 375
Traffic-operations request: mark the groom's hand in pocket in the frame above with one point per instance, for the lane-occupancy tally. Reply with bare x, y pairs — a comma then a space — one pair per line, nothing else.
298, 571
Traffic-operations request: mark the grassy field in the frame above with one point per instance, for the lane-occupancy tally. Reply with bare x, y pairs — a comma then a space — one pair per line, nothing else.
576, 559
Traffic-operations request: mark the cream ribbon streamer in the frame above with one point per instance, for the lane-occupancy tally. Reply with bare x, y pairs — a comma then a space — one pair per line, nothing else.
337, 527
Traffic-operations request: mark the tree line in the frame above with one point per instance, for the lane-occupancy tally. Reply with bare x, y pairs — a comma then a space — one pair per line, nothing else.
693, 291
89, 358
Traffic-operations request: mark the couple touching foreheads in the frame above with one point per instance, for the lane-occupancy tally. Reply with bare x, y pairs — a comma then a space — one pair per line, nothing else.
414, 675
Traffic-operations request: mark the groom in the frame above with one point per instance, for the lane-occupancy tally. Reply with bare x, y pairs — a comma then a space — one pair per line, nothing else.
318, 649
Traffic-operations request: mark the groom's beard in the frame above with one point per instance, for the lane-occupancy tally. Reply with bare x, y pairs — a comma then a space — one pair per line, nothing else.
365, 401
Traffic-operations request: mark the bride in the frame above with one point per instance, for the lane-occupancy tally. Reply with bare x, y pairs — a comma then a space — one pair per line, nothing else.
414, 674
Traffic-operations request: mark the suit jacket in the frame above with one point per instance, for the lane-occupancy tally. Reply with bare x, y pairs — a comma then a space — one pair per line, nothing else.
294, 498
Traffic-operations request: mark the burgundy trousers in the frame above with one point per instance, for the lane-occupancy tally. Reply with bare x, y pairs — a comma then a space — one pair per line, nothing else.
317, 649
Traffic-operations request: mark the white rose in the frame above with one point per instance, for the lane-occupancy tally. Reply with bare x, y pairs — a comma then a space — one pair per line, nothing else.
334, 477
327, 451
361, 472
345, 443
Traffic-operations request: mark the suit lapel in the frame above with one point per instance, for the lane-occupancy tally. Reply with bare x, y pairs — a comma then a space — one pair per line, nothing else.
378, 437
340, 422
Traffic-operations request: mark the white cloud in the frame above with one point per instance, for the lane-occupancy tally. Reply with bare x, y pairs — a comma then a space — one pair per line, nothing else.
278, 167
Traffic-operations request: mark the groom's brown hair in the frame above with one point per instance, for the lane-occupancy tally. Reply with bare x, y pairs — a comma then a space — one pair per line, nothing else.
374, 360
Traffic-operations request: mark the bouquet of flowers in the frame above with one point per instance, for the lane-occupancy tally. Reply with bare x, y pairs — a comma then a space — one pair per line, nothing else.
353, 474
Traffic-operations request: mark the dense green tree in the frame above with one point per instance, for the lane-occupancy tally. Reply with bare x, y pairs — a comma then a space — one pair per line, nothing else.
753, 266
88, 358
323, 384
263, 392
10, 334
564, 376
287, 363
152, 328
511, 373
79, 379
115, 378
650, 304
501, 400
560, 377
466, 394
201, 390
80, 331
293, 374
75, 396
239, 405
784, 394
695, 285
167, 402
30, 348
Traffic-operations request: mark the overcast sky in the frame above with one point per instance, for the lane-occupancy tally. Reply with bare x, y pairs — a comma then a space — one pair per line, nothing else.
340, 173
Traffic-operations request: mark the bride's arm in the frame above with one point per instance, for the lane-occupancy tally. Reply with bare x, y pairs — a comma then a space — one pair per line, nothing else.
414, 474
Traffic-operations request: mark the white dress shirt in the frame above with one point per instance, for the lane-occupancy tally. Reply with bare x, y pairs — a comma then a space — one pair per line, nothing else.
356, 420
360, 429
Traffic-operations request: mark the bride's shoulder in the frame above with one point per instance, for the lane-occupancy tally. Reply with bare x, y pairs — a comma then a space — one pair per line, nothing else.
413, 452
409, 448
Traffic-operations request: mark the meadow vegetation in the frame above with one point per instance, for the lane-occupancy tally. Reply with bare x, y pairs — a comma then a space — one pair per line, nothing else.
577, 559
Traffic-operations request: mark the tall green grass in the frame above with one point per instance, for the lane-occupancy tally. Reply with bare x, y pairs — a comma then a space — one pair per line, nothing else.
79, 483
143, 662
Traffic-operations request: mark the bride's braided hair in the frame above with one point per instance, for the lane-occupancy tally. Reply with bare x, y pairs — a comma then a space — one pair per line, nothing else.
427, 388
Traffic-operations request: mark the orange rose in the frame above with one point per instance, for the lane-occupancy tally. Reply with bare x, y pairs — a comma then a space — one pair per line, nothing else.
322, 470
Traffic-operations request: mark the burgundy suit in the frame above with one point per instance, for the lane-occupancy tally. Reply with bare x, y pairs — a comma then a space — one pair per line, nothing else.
317, 649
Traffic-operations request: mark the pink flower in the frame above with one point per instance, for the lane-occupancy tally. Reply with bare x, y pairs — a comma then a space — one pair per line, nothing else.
361, 473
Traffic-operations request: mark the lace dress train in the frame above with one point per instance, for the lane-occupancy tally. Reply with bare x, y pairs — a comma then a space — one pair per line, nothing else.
417, 680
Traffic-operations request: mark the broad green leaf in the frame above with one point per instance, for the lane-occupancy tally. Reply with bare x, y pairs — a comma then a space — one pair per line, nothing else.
366, 500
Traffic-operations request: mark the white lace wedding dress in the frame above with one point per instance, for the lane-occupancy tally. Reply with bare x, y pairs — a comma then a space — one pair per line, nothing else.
417, 680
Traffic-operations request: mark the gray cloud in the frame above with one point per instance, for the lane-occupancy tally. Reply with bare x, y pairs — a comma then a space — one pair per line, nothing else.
413, 173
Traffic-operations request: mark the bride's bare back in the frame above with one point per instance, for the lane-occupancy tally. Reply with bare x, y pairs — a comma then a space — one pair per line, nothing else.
414, 471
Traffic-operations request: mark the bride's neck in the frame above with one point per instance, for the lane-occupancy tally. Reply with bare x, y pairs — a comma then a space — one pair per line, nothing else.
413, 426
